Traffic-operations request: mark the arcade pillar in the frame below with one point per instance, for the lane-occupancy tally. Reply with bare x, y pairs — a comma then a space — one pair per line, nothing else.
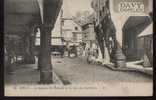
29, 57
45, 56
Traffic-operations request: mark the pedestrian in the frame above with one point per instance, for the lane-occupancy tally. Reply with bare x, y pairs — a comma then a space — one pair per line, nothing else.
88, 55
62, 51
69, 50
75, 50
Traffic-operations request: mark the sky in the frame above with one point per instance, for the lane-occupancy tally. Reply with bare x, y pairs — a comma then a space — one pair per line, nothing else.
74, 6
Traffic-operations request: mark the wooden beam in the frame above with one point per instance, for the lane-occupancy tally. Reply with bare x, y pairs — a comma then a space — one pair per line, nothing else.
41, 6
51, 11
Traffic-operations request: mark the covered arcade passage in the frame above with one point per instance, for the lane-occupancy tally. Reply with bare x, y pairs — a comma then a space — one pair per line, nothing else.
22, 18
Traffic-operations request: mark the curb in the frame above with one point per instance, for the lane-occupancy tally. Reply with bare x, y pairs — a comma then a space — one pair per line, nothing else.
143, 70
112, 67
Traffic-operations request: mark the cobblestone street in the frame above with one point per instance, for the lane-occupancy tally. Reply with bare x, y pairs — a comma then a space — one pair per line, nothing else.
77, 70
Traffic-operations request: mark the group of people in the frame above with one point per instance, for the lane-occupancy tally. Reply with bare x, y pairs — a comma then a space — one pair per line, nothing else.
74, 51
91, 54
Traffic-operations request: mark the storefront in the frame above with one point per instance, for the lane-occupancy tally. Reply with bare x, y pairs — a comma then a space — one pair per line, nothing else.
147, 36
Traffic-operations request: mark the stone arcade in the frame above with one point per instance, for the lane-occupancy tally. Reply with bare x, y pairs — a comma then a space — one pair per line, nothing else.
22, 18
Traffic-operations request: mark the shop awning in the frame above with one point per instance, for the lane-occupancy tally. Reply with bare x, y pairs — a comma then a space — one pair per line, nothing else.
147, 31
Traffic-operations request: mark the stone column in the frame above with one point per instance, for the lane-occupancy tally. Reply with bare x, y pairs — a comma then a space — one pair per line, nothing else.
29, 57
27, 52
45, 56
32, 44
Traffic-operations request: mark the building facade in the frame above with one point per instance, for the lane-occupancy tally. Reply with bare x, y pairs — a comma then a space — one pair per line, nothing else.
71, 32
119, 37
89, 36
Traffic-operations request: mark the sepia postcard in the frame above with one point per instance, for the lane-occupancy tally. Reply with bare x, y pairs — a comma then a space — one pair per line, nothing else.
78, 47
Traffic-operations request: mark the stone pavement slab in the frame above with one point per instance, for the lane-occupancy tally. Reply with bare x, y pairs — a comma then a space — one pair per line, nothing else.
27, 74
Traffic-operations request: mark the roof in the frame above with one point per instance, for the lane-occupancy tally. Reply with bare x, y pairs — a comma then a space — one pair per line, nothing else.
147, 31
133, 21
90, 19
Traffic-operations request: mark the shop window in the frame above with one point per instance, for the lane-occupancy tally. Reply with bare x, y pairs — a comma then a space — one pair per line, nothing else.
103, 9
76, 28
100, 13
85, 35
75, 37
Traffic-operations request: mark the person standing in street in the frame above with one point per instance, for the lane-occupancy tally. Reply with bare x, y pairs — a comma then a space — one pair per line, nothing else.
62, 51
75, 50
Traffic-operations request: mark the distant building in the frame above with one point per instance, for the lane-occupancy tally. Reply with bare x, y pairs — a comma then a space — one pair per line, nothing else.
71, 32
56, 42
89, 36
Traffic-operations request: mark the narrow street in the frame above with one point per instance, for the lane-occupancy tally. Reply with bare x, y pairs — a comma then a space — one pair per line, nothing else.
78, 71
113, 51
